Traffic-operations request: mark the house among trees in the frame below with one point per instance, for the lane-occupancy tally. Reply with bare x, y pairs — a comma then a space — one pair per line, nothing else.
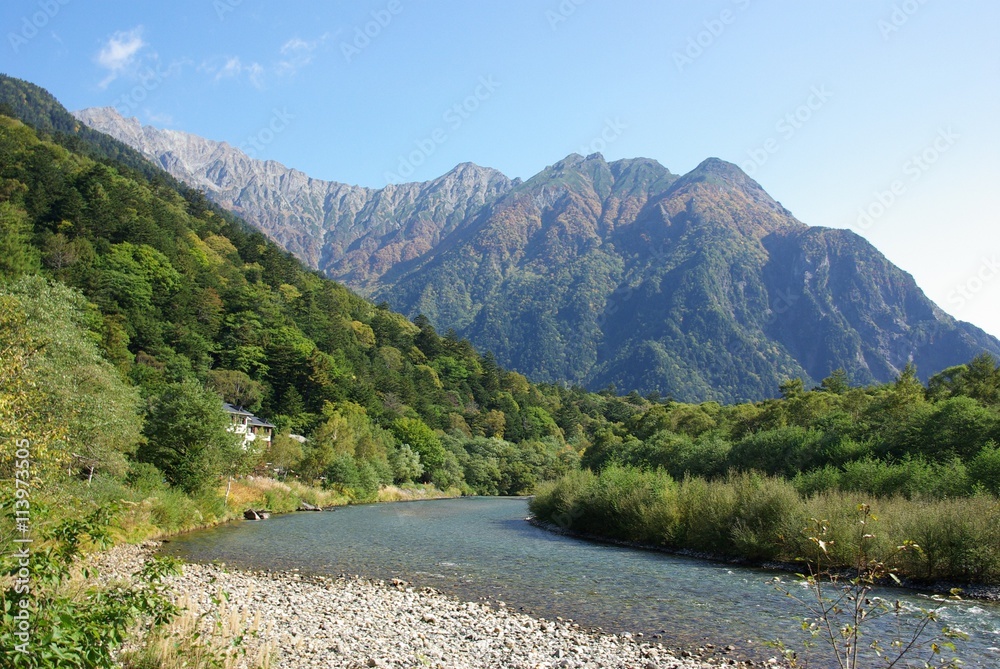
251, 427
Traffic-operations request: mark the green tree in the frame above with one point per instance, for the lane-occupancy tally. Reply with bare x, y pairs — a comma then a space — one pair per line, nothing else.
837, 383
237, 388
421, 439
984, 469
792, 388
188, 437
17, 255
21, 401
405, 464
81, 391
982, 379
284, 453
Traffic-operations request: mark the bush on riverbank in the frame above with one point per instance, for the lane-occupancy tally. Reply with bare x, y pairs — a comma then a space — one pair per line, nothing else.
748, 515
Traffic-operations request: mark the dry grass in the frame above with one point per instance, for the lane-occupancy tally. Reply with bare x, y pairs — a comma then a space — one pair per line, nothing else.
412, 492
222, 637
250, 493
317, 496
257, 492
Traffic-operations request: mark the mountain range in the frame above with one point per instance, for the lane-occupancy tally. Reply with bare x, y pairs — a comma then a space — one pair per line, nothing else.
698, 286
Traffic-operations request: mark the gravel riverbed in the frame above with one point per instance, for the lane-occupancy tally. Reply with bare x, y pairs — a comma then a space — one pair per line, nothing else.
353, 622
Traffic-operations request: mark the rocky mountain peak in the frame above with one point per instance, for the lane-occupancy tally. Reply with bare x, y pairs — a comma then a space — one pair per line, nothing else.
109, 121
701, 286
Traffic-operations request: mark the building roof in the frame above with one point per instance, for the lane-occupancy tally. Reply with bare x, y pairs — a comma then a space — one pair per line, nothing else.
235, 410
258, 422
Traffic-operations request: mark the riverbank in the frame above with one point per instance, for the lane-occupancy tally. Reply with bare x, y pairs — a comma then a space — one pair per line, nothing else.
155, 515
987, 593
299, 622
764, 519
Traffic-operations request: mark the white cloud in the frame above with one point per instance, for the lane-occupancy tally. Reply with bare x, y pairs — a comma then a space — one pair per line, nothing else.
233, 67
296, 53
119, 53
256, 74
297, 44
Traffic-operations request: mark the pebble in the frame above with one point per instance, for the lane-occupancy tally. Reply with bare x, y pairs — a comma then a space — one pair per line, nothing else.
353, 622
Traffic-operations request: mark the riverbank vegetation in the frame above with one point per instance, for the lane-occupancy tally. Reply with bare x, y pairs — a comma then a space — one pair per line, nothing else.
758, 518
745, 480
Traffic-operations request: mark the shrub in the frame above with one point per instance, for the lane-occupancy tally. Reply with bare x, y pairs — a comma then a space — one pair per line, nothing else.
984, 470
841, 613
784, 450
343, 472
764, 518
817, 481
561, 502
707, 509
959, 538
145, 478
766, 515
634, 505
74, 622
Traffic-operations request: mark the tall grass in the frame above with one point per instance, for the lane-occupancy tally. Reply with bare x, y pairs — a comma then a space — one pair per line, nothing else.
761, 518
223, 637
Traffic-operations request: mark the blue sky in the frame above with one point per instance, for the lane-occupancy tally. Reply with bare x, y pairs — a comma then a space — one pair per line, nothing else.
875, 115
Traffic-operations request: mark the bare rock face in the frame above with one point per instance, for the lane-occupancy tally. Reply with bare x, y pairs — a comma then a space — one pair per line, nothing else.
699, 286
355, 234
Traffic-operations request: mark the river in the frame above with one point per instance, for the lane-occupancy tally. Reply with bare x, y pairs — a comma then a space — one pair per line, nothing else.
483, 548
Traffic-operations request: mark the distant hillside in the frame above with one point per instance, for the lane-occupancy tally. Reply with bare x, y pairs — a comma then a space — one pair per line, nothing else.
700, 286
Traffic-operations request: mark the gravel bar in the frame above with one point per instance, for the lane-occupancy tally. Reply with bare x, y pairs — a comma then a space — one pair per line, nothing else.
353, 622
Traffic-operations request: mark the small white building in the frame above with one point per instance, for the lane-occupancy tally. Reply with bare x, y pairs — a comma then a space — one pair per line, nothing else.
245, 423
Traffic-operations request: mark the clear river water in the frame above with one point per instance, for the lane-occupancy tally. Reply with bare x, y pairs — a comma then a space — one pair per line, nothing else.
484, 548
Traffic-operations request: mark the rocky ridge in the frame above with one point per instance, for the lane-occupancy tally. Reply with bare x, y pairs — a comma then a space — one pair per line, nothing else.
355, 234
